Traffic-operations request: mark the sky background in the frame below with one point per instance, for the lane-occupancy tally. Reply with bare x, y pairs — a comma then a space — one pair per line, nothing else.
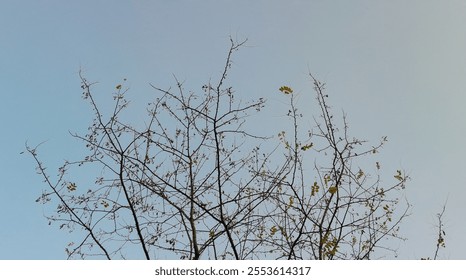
397, 68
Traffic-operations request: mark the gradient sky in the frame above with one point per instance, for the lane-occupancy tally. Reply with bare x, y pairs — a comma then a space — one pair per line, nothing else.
397, 68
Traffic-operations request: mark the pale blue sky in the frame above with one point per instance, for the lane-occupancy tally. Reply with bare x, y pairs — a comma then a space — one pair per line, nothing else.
397, 68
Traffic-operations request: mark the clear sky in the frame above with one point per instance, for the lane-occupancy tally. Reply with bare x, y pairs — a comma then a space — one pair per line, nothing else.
397, 68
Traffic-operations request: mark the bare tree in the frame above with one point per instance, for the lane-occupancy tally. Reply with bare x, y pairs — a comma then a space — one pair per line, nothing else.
195, 183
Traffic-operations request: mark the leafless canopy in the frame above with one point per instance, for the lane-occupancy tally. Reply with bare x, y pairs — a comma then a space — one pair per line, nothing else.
195, 183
